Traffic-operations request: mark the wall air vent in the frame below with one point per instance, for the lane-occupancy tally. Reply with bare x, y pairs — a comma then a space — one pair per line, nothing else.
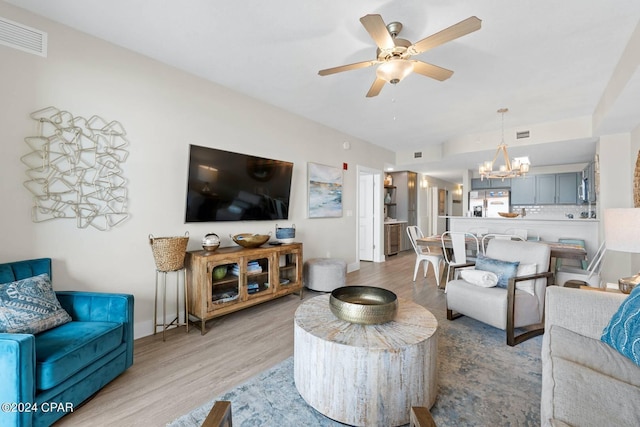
417, 155
23, 38
523, 134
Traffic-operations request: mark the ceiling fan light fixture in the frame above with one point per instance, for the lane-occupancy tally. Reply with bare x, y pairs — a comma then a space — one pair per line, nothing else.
394, 70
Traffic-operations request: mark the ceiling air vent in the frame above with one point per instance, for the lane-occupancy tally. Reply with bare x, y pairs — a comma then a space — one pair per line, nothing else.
523, 134
23, 38
417, 155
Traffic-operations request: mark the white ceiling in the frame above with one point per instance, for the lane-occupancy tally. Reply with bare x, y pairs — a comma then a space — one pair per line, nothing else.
546, 60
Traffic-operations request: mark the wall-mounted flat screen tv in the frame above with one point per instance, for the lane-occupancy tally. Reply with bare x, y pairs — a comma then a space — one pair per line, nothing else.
227, 186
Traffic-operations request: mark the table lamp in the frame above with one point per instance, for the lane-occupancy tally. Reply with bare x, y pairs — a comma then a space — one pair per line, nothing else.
622, 234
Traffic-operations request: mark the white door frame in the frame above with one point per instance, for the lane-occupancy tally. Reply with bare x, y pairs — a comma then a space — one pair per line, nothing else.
378, 189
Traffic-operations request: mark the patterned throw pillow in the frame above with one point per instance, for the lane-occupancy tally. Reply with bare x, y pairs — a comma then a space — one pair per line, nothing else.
623, 330
29, 306
505, 270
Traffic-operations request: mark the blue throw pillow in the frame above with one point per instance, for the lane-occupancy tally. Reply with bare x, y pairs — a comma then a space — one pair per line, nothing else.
505, 270
623, 330
29, 306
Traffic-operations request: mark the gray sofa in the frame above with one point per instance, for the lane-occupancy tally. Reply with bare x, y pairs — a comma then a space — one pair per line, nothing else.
585, 382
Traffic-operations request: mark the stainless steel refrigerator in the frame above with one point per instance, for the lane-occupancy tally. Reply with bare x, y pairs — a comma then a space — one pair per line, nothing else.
487, 203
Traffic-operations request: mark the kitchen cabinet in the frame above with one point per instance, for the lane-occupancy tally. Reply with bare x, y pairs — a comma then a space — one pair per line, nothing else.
392, 238
523, 190
557, 189
567, 188
547, 189
478, 184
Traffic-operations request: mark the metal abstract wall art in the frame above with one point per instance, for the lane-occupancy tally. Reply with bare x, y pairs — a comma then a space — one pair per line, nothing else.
74, 169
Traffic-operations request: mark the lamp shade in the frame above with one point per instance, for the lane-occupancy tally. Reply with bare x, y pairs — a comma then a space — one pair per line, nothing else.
622, 229
394, 70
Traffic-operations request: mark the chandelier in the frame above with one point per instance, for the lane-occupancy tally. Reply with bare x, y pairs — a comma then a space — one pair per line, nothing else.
511, 169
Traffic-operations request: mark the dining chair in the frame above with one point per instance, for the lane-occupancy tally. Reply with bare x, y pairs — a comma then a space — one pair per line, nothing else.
478, 231
424, 255
590, 275
487, 237
454, 248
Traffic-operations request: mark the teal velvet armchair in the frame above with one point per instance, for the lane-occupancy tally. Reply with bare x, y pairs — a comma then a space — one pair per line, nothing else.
45, 376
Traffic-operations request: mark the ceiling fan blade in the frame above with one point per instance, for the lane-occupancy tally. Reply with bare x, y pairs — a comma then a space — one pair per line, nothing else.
377, 29
431, 70
376, 87
348, 67
460, 29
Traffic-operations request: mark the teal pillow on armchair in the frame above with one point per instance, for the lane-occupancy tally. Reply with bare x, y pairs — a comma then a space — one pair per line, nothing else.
30, 306
623, 331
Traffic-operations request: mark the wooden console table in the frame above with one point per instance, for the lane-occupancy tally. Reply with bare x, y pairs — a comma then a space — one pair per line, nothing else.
365, 375
233, 278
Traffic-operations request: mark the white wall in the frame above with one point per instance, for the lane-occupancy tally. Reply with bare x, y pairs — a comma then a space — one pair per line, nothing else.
163, 111
615, 192
635, 157
426, 184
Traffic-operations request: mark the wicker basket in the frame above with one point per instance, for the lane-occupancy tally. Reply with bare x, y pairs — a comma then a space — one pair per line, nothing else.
169, 252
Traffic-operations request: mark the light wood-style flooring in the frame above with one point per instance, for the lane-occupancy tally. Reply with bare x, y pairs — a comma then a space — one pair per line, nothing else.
169, 379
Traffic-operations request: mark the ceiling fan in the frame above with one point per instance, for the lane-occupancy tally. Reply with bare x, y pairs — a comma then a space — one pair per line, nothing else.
394, 54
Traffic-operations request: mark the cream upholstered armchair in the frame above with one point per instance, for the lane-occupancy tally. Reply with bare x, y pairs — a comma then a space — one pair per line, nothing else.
506, 290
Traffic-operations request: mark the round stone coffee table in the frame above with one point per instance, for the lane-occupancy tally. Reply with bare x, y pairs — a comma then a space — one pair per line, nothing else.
365, 375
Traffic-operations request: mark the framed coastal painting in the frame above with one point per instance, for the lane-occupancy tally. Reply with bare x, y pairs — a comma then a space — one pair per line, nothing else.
325, 191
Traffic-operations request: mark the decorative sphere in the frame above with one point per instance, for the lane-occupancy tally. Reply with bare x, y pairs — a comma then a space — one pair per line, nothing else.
211, 242
219, 272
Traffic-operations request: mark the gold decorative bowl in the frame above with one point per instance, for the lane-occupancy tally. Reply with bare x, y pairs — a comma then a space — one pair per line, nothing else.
508, 214
248, 240
365, 305
626, 285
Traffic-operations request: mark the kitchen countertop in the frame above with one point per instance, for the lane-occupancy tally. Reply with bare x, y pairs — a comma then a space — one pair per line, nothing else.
395, 222
526, 218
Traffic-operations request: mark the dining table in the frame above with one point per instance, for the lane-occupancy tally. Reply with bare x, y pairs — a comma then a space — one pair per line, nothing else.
558, 249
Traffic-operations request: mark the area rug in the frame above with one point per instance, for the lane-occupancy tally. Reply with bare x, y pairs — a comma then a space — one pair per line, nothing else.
482, 382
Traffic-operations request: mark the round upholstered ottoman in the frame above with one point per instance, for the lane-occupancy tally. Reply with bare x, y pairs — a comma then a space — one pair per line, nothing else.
324, 274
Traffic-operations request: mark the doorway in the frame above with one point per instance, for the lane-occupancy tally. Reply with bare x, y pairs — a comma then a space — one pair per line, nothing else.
369, 233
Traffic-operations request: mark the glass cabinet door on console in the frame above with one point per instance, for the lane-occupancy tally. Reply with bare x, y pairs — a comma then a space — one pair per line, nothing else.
289, 267
224, 288
258, 280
